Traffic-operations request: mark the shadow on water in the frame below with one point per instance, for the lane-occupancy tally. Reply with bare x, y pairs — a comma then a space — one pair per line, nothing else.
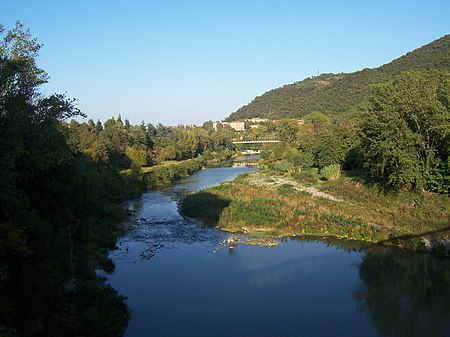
205, 206
404, 293
373, 290
414, 237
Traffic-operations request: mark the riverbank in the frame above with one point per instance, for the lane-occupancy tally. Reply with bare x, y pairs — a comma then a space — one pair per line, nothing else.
263, 204
164, 174
167, 172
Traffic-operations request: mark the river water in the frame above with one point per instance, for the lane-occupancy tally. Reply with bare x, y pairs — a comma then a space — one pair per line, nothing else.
181, 281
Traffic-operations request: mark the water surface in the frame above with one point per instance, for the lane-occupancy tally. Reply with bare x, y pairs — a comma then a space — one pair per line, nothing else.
181, 281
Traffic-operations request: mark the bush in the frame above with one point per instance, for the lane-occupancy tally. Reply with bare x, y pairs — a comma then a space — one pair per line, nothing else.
438, 181
285, 166
331, 172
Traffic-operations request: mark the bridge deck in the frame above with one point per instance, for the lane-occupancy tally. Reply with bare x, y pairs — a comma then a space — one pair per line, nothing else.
256, 141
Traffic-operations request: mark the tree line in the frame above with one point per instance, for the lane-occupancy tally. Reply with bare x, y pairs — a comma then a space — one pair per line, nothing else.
58, 213
399, 136
124, 146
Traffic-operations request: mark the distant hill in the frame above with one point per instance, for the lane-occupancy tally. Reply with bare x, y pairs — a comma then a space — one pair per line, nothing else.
334, 94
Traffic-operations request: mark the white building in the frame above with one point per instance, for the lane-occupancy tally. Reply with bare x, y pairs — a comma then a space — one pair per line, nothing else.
236, 125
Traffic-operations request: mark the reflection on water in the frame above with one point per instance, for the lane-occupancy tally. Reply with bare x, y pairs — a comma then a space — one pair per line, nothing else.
180, 281
207, 178
405, 294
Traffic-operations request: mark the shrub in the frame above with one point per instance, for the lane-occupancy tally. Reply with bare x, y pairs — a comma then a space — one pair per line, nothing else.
331, 172
285, 166
438, 181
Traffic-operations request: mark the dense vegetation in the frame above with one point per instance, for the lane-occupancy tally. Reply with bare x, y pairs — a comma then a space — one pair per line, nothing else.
406, 132
398, 145
124, 146
57, 219
263, 204
148, 156
399, 137
60, 183
338, 94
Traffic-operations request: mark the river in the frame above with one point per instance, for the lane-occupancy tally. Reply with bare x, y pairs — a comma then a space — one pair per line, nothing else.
181, 281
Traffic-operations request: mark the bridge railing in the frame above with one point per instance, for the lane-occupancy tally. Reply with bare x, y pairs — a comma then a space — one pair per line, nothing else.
259, 141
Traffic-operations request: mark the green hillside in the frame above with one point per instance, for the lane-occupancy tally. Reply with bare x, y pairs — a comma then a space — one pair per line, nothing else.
334, 94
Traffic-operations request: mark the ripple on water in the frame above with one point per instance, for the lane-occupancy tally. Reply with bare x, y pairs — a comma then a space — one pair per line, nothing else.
148, 236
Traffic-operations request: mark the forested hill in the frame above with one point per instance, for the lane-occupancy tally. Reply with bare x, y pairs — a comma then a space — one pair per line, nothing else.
334, 94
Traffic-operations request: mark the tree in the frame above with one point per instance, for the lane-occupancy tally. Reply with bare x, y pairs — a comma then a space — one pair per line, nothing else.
317, 118
19, 74
329, 150
287, 130
406, 128
33, 153
47, 195
98, 126
208, 125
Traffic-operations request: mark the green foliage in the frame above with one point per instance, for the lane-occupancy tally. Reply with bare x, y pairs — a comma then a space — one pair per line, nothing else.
101, 311
337, 94
135, 146
406, 129
53, 197
308, 176
138, 156
317, 118
314, 145
438, 180
162, 175
214, 205
283, 166
331, 172
287, 130
286, 189
256, 212
306, 159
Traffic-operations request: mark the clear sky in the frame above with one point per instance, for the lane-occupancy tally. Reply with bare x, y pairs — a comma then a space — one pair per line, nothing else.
182, 62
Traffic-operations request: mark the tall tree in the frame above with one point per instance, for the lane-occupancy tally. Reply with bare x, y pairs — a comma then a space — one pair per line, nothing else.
44, 193
407, 128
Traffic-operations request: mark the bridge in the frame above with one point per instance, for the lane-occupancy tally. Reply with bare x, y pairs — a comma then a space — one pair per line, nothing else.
245, 164
260, 141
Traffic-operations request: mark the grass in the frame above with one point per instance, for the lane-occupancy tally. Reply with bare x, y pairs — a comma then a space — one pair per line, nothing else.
363, 214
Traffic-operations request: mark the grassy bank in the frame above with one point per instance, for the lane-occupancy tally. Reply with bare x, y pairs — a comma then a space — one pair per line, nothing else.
169, 171
160, 175
263, 204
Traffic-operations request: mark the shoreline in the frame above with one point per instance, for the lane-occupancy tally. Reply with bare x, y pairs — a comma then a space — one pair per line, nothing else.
263, 205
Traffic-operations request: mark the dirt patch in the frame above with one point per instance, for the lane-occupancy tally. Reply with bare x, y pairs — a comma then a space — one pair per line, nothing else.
261, 180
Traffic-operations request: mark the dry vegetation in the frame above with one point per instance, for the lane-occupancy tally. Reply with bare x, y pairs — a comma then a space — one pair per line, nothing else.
263, 204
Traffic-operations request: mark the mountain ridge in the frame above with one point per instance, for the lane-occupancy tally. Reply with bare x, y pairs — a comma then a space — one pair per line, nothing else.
335, 94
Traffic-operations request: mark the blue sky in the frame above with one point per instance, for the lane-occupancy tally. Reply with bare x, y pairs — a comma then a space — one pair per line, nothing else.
190, 61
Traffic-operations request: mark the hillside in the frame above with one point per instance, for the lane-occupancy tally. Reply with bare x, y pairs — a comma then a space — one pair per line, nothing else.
334, 94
